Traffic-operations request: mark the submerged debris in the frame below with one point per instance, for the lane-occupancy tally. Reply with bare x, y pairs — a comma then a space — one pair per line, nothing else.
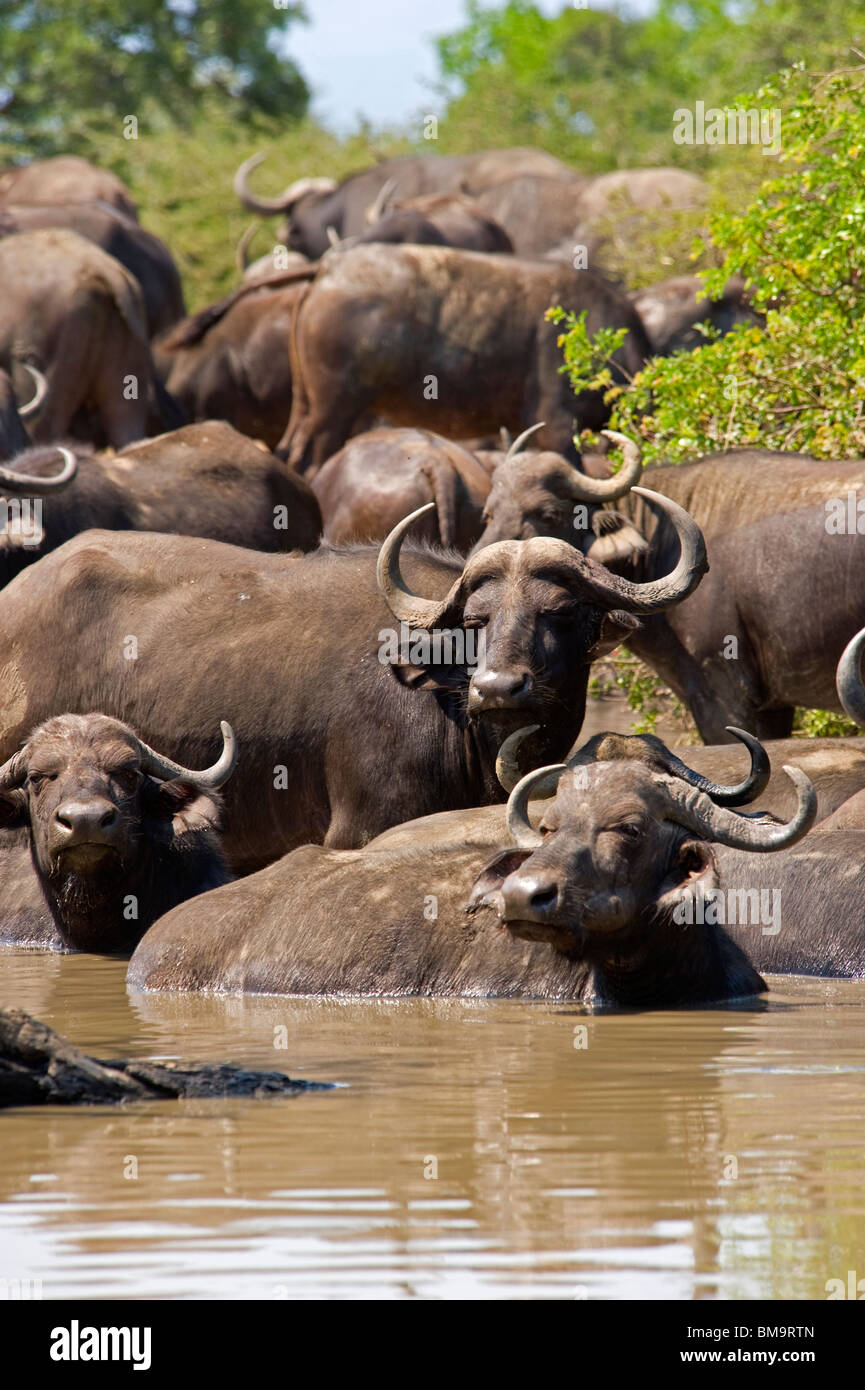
41, 1067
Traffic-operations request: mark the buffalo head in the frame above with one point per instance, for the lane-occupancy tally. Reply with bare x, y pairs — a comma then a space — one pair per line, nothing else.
306, 204
546, 612
96, 799
542, 494
615, 852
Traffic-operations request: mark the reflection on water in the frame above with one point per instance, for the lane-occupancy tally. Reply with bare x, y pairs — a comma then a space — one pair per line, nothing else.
705, 1154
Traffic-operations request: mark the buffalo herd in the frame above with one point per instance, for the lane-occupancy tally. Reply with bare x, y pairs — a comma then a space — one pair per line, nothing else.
343, 516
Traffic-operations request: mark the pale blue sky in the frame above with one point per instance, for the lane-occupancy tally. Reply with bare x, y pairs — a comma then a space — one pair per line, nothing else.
370, 57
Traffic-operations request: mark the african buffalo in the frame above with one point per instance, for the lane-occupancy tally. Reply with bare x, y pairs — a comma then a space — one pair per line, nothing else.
354, 710
615, 207
592, 857
202, 480
117, 834
745, 650
379, 477
438, 219
318, 208
142, 253
79, 316
625, 860
232, 361
587, 910
65, 178
539, 212
752, 650
540, 493
551, 214
672, 311
448, 340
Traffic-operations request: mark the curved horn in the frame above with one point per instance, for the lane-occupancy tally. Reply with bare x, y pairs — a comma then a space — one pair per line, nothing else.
241, 259
266, 207
587, 489
658, 594
507, 768
210, 778
375, 211
13, 773
695, 811
332, 235
519, 825
520, 440
19, 482
406, 606
747, 790
263, 206
25, 411
848, 680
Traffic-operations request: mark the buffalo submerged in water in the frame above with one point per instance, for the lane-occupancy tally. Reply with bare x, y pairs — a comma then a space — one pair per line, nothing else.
634, 887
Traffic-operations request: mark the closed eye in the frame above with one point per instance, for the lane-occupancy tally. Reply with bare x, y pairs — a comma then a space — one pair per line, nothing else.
127, 777
627, 829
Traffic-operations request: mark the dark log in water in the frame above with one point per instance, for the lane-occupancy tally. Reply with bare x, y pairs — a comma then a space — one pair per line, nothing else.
41, 1067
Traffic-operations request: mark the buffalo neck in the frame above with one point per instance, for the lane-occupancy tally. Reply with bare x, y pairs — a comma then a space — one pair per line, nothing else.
672, 964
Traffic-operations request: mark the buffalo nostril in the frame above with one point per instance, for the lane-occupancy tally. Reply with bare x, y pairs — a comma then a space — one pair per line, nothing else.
109, 817
528, 897
543, 899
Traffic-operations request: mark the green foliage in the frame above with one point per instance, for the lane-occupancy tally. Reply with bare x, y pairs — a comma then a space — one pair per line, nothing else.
822, 723
800, 245
587, 359
73, 66
646, 694
207, 87
598, 88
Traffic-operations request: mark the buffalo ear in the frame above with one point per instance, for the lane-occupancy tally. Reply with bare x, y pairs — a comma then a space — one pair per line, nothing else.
617, 540
14, 809
185, 805
492, 876
693, 869
616, 627
416, 677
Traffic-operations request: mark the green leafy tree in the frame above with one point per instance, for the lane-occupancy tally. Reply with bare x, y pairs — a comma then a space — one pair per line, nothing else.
70, 67
599, 87
798, 384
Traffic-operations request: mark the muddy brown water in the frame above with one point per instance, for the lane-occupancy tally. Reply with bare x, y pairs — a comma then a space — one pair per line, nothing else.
474, 1149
